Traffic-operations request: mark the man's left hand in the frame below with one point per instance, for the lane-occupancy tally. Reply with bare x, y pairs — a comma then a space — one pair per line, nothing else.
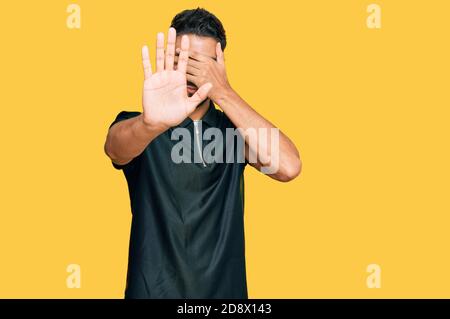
202, 69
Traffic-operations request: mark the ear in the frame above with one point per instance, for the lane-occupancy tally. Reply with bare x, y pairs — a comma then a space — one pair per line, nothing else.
219, 53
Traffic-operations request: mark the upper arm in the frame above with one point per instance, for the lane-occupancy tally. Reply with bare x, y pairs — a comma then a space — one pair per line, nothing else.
118, 164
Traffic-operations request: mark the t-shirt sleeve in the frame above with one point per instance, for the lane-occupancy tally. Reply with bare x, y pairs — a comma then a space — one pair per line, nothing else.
124, 115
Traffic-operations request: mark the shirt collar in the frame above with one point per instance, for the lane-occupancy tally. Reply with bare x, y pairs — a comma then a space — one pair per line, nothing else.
210, 117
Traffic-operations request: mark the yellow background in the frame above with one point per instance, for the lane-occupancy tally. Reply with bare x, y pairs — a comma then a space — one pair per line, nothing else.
368, 110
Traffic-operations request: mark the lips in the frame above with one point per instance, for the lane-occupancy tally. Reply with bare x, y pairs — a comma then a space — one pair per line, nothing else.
191, 88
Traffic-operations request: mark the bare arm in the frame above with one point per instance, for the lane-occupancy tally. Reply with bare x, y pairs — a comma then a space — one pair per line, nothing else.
165, 102
275, 153
128, 138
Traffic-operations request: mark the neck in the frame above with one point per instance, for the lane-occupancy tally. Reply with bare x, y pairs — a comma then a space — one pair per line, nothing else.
200, 110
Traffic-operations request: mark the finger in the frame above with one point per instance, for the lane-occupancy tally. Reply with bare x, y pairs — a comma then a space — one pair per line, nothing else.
191, 78
190, 62
184, 54
219, 52
199, 57
170, 52
146, 63
195, 63
199, 95
192, 70
160, 52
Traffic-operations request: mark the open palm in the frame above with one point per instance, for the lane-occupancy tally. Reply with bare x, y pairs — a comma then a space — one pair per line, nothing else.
165, 100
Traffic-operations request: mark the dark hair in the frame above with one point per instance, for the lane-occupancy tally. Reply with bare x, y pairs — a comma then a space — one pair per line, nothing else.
201, 23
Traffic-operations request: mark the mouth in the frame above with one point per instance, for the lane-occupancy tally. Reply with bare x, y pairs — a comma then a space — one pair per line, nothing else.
191, 88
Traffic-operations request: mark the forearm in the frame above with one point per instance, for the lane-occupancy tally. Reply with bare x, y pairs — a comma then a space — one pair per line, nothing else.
267, 150
128, 138
240, 112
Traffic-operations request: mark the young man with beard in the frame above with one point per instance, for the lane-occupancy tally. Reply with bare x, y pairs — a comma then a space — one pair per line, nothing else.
187, 234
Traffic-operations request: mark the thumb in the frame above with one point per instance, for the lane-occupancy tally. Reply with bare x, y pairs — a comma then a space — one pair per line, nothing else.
199, 96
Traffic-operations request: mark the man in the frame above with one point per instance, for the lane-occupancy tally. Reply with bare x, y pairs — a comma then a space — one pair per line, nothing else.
187, 234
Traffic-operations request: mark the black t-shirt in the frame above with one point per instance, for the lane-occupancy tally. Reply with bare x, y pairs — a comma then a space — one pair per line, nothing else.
187, 233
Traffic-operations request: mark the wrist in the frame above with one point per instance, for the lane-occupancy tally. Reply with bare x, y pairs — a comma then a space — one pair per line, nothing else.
223, 95
151, 128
